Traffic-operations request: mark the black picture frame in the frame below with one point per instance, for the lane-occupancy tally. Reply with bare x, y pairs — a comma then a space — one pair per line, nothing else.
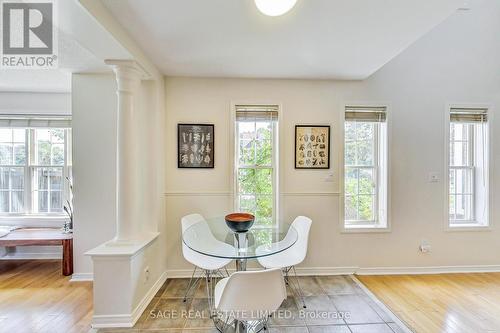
187, 137
317, 162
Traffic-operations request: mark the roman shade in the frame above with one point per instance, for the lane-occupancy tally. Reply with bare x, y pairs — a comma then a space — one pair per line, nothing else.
256, 112
365, 114
35, 121
468, 115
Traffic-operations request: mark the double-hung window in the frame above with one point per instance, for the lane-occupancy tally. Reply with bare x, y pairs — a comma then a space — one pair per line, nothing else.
256, 162
468, 167
35, 155
365, 167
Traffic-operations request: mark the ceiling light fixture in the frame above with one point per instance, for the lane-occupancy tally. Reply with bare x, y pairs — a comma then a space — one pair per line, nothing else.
275, 7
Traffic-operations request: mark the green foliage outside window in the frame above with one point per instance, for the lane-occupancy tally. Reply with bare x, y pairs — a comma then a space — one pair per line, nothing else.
359, 179
255, 173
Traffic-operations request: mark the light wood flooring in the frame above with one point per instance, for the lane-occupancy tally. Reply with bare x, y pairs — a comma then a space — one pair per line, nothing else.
453, 303
36, 297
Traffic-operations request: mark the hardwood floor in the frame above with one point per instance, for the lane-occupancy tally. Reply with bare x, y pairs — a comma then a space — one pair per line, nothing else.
35, 297
468, 303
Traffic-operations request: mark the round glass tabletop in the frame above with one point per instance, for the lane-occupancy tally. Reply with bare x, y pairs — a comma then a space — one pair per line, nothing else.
213, 237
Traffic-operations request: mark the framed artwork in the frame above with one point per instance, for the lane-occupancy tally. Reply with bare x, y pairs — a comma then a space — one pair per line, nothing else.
312, 147
195, 146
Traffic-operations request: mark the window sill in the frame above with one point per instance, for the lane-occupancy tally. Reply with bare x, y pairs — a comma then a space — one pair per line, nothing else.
54, 221
468, 227
364, 229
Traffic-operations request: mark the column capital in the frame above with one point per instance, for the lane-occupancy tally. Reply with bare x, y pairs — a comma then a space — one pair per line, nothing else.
128, 74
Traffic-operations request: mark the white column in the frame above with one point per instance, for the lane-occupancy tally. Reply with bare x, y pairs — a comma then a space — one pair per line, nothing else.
128, 78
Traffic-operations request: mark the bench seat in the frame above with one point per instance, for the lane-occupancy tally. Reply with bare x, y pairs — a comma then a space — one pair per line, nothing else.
43, 237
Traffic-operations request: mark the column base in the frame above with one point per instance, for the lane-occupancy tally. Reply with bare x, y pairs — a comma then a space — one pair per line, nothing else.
122, 247
127, 275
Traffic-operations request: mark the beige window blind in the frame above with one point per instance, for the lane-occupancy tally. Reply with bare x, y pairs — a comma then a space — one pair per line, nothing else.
365, 114
35, 121
256, 112
469, 115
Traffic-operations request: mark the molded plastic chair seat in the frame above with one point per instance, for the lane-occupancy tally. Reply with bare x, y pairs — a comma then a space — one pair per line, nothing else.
209, 265
219, 288
278, 260
198, 259
294, 255
250, 295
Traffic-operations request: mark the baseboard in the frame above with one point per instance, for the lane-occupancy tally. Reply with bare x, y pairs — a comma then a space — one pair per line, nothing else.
374, 298
129, 320
427, 270
112, 321
301, 271
80, 277
309, 271
139, 309
179, 273
31, 256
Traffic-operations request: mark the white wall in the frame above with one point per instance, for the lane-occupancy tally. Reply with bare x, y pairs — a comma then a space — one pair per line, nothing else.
35, 103
94, 163
458, 62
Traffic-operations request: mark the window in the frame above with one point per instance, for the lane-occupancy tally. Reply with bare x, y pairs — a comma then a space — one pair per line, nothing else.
34, 165
256, 162
468, 167
365, 167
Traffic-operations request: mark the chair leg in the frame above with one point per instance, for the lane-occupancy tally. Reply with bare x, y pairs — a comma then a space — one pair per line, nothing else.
301, 294
207, 282
286, 270
222, 322
210, 281
266, 322
294, 284
192, 283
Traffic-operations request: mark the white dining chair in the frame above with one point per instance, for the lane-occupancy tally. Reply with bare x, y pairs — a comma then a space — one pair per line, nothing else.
289, 258
249, 298
210, 266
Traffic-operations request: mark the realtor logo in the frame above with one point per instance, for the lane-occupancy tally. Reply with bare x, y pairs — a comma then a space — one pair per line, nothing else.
28, 35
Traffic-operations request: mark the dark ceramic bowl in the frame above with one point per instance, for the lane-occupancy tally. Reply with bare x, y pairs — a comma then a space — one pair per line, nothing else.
240, 222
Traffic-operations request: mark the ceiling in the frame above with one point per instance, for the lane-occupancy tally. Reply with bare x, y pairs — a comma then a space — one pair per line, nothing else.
83, 44
72, 57
320, 39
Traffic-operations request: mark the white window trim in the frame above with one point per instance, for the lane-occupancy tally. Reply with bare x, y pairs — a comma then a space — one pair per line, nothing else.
233, 153
363, 228
461, 227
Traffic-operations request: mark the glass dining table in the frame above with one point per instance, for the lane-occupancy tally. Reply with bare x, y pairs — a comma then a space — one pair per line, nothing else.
216, 239
221, 242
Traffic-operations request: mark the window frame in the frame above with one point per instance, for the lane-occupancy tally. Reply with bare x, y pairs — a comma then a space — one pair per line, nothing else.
29, 170
467, 225
375, 227
276, 157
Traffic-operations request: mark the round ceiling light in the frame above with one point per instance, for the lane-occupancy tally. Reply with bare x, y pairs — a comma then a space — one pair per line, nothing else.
275, 7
